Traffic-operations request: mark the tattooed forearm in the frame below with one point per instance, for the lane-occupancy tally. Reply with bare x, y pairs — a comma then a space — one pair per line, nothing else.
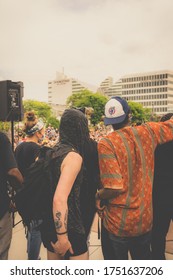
57, 221
60, 221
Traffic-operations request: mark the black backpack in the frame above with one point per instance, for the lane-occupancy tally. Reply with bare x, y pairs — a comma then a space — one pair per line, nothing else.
34, 200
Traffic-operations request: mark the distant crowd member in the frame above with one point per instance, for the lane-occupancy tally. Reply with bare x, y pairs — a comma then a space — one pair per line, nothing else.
8, 172
26, 154
126, 159
65, 231
162, 196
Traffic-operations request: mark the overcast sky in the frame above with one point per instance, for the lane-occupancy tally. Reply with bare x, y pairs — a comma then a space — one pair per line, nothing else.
90, 39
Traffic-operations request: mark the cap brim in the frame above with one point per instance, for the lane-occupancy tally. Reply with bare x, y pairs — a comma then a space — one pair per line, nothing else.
110, 121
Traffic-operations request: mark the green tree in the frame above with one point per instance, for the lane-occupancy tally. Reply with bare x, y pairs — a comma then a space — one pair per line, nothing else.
54, 122
5, 126
86, 98
42, 110
139, 113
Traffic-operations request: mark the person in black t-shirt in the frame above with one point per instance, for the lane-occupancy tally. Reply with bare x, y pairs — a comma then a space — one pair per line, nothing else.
162, 196
8, 167
26, 153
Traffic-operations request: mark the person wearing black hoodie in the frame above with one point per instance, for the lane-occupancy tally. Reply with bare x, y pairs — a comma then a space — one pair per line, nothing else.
65, 231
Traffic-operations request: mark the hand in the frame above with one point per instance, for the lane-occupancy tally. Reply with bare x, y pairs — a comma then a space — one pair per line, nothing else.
12, 207
100, 209
62, 245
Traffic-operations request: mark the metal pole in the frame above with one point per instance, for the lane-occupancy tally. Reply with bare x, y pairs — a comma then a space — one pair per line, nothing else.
12, 135
12, 143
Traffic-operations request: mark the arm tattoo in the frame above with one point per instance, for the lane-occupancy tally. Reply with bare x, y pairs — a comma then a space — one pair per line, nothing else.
57, 221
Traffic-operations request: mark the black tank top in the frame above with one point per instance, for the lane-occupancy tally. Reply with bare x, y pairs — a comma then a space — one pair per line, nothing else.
75, 222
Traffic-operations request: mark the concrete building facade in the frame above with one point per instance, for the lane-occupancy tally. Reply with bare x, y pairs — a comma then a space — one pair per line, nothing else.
105, 85
153, 90
61, 88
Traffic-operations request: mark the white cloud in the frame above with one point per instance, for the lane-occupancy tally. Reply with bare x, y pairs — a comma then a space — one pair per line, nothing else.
90, 39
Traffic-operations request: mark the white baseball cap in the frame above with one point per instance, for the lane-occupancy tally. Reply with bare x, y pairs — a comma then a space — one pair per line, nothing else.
116, 110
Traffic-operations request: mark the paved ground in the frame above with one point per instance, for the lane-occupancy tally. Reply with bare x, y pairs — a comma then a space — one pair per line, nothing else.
18, 245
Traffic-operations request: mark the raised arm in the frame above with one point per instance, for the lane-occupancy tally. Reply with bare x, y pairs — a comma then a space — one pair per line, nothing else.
162, 132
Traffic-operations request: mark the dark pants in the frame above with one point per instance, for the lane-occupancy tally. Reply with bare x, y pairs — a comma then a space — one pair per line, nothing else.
162, 216
107, 249
138, 246
5, 235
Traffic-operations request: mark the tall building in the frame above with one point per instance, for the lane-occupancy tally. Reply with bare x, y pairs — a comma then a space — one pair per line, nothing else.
61, 88
153, 90
105, 85
115, 89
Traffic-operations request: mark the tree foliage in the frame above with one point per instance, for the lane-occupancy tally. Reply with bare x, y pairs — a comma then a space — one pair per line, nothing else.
97, 101
54, 122
139, 113
5, 126
86, 98
42, 110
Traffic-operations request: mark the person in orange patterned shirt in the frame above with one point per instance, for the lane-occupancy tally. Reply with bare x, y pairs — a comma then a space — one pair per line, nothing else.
126, 160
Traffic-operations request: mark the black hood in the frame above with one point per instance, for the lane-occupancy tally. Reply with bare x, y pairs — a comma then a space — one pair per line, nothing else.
74, 130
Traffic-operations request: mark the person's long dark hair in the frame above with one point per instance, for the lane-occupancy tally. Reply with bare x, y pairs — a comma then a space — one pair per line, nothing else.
74, 130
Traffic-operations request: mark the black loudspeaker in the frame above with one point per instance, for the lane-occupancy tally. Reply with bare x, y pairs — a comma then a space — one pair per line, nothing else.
11, 107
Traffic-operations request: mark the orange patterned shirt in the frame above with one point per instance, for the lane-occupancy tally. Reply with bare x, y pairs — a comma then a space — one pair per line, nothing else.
126, 159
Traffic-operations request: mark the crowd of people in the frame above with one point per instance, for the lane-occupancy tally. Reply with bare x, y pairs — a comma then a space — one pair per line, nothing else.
108, 170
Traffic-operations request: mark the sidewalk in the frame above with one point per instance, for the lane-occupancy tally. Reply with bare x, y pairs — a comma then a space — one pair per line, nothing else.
18, 245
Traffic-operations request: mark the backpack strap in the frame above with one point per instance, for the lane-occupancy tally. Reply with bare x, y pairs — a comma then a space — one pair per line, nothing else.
56, 153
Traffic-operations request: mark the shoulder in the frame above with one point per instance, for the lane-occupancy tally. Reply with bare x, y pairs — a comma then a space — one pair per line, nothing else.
72, 160
74, 156
107, 140
31, 146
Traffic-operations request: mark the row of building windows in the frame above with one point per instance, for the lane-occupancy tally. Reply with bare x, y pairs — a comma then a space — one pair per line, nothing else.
161, 110
77, 87
145, 78
148, 90
158, 109
155, 103
146, 84
113, 91
146, 97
